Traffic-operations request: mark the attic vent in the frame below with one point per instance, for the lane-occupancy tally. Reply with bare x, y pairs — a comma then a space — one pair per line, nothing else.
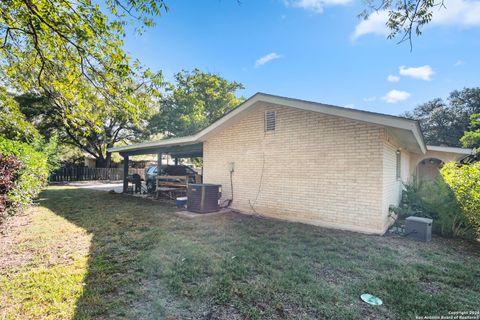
269, 121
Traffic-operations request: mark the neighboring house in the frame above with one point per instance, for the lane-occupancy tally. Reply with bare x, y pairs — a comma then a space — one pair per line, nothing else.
309, 162
89, 161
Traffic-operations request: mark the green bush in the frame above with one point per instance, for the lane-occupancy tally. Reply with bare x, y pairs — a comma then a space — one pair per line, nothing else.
465, 183
50, 149
9, 166
435, 200
31, 177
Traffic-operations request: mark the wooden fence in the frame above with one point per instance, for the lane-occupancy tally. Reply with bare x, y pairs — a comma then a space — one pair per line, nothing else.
85, 174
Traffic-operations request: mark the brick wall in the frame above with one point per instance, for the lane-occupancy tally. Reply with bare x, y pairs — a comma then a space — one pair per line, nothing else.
314, 168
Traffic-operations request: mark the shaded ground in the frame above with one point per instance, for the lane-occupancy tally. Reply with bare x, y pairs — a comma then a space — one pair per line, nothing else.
99, 185
85, 254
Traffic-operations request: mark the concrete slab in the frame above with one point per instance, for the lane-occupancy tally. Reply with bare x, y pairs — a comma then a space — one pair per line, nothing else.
98, 185
192, 215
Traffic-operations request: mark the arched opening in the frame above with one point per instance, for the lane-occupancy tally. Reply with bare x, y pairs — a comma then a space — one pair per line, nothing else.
428, 169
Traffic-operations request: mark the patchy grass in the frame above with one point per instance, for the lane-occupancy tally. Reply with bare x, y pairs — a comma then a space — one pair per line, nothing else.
43, 262
86, 254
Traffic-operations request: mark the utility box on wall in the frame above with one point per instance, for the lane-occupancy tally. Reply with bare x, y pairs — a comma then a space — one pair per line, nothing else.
419, 228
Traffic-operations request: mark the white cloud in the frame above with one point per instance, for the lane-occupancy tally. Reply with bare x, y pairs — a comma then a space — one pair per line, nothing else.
459, 63
349, 106
374, 24
369, 99
267, 58
315, 5
392, 78
463, 13
424, 72
395, 96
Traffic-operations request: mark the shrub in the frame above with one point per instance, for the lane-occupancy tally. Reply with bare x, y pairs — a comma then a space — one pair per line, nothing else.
9, 166
435, 200
465, 182
50, 149
30, 178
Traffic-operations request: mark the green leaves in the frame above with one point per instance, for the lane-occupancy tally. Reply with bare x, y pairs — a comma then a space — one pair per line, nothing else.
68, 57
93, 122
33, 174
463, 180
444, 122
13, 123
434, 199
405, 17
56, 46
472, 138
50, 34
194, 101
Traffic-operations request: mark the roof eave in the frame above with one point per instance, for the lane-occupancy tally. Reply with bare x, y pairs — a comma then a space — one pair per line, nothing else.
465, 151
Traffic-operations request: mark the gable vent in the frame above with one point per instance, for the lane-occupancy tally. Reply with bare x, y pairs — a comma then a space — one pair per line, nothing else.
270, 121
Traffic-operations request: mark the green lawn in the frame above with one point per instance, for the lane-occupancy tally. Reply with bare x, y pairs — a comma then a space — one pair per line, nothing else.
87, 254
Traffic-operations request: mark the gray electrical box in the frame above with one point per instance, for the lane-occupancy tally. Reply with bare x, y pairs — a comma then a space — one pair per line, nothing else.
419, 228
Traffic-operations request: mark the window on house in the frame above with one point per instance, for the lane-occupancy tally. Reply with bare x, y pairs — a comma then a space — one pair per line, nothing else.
399, 164
270, 121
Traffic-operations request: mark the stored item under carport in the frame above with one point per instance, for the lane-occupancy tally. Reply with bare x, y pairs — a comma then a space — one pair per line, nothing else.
181, 202
419, 228
203, 198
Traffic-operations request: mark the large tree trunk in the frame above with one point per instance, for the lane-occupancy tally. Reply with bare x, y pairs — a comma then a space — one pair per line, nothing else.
104, 162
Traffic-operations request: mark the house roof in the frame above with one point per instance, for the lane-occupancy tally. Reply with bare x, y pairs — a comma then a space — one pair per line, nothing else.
406, 131
465, 151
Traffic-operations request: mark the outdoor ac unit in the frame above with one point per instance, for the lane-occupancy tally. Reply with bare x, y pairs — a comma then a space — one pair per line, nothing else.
419, 228
203, 198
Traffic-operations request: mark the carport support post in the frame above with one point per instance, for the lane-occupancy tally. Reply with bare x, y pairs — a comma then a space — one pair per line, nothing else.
159, 163
125, 173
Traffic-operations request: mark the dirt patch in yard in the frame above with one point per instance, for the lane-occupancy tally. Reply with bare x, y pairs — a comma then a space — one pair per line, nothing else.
28, 240
10, 231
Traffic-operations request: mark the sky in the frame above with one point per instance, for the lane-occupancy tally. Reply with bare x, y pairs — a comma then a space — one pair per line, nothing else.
316, 50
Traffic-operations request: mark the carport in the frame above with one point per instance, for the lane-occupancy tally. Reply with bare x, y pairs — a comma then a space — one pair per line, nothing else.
177, 148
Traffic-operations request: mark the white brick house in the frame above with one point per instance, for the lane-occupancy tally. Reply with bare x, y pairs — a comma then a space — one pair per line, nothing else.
308, 162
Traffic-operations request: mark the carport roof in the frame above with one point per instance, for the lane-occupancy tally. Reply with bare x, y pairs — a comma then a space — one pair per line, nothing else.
407, 131
176, 147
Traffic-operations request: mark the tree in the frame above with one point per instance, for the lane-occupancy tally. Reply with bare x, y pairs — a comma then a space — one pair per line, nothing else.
95, 123
444, 123
16, 127
465, 102
68, 58
405, 17
58, 41
13, 124
437, 123
472, 138
194, 101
